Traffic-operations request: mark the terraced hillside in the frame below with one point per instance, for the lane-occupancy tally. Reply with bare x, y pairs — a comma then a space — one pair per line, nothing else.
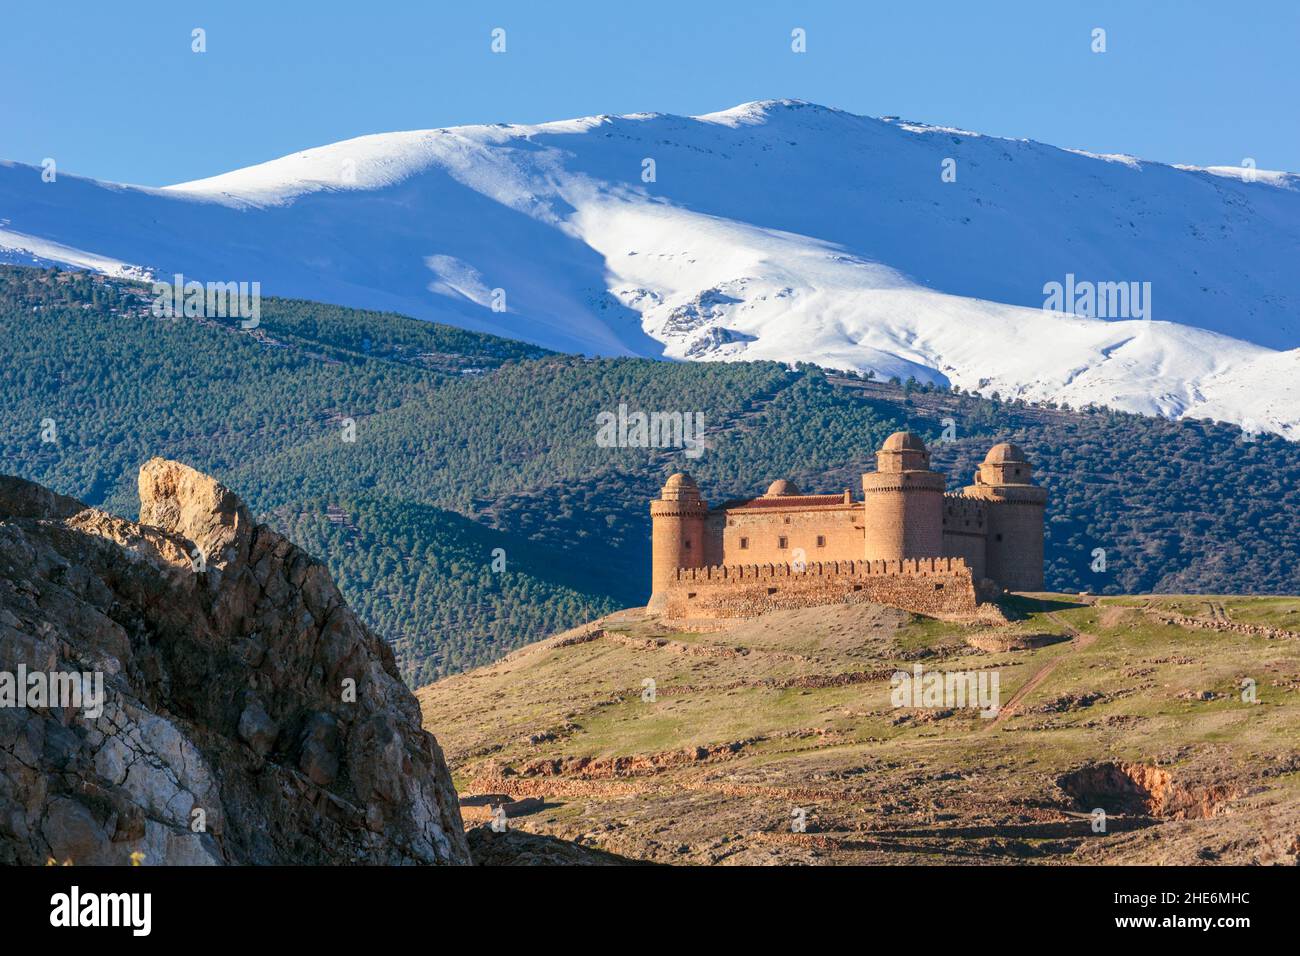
1104, 703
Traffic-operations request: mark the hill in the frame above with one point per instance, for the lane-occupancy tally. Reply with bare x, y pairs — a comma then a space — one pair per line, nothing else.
778, 741
470, 448
776, 230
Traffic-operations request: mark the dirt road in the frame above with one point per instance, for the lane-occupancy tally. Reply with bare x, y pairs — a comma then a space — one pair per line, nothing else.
1078, 641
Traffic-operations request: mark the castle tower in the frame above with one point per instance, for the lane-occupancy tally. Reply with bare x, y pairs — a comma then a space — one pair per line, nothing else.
1014, 548
904, 502
677, 532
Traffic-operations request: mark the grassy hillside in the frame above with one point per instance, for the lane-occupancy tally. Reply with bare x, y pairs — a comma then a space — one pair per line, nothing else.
1102, 704
466, 444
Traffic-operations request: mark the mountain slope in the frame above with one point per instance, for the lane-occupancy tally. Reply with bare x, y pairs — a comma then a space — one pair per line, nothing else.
467, 444
776, 230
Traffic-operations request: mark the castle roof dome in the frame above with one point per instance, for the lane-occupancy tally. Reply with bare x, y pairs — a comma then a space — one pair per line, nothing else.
903, 441
1004, 452
780, 488
678, 486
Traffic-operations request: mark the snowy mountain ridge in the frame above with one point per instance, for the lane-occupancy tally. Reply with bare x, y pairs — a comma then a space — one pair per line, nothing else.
774, 230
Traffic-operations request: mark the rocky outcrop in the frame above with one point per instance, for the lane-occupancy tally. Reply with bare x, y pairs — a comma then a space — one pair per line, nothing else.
1224, 625
247, 715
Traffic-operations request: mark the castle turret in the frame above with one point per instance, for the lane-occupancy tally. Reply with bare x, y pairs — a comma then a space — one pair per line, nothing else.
1014, 533
904, 502
677, 532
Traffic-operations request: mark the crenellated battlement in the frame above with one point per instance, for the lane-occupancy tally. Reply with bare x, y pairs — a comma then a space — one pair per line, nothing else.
938, 587
762, 572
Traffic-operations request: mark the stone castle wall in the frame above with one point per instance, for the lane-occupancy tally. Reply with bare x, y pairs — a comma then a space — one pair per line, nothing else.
903, 512
938, 587
965, 530
1014, 537
775, 535
1015, 544
677, 539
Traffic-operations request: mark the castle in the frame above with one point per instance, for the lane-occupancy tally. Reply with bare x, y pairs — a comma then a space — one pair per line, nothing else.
906, 543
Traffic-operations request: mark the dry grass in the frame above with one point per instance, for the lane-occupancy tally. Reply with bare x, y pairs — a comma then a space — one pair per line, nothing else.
793, 710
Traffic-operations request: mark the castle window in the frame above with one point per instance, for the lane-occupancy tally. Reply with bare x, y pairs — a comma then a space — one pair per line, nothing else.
821, 541
744, 543
783, 542
687, 544
771, 590
999, 537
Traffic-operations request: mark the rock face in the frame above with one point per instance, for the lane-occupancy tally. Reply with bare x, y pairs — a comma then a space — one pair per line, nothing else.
248, 716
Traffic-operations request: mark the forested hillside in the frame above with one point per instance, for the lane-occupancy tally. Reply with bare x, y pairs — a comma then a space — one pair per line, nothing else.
454, 485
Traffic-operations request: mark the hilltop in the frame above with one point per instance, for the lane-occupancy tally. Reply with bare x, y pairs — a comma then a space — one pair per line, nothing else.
1130, 704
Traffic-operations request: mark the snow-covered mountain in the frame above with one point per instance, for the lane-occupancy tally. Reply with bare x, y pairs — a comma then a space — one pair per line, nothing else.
775, 230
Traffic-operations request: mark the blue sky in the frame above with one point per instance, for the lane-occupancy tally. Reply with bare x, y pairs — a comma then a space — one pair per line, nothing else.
114, 91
